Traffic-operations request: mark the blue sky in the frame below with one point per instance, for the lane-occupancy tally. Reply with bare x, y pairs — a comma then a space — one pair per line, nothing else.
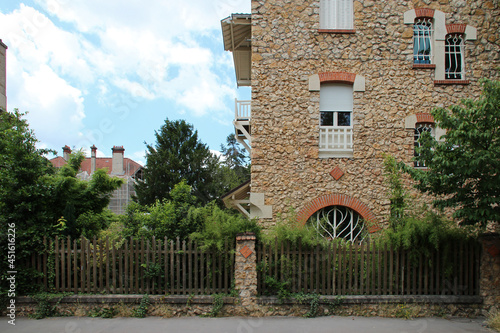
110, 72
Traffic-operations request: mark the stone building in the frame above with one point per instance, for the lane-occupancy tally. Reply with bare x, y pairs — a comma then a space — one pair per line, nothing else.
336, 84
116, 166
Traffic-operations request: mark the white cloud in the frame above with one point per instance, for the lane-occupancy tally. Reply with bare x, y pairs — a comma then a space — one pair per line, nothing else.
147, 51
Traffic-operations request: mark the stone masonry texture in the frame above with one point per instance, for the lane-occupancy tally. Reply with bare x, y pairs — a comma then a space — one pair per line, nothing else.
287, 48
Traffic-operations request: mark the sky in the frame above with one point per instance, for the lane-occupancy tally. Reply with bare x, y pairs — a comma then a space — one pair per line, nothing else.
110, 72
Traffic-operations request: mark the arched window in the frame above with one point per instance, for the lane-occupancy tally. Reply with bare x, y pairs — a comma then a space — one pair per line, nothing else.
339, 222
454, 56
422, 40
419, 129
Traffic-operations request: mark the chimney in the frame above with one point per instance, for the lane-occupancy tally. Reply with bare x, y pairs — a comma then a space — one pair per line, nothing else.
117, 165
93, 152
3, 76
66, 151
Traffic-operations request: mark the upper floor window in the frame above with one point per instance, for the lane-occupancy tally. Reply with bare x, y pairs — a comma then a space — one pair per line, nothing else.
336, 14
336, 135
421, 128
422, 41
454, 57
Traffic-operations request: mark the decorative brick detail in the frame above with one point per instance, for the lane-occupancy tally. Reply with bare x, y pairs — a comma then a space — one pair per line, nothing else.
337, 77
451, 82
456, 28
339, 200
424, 12
337, 173
424, 117
338, 31
493, 251
246, 252
424, 66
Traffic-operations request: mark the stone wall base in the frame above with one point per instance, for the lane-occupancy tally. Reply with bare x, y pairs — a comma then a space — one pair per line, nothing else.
179, 306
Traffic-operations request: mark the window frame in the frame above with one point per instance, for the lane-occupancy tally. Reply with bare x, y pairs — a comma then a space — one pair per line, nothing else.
331, 18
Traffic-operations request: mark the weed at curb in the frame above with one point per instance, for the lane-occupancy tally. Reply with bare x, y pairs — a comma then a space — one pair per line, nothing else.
44, 306
142, 310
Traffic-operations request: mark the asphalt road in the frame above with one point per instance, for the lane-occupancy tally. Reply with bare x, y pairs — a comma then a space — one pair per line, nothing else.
242, 325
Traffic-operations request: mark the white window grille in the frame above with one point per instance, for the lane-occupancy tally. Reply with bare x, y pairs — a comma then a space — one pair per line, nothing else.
339, 222
335, 130
336, 14
422, 41
454, 59
419, 129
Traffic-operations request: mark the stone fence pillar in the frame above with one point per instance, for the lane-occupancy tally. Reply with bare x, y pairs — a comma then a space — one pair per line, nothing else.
245, 269
490, 271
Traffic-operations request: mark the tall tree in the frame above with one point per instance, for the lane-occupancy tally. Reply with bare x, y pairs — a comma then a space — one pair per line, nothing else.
177, 155
464, 169
234, 154
35, 198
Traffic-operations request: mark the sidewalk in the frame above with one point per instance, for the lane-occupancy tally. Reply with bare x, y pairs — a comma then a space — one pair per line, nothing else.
242, 325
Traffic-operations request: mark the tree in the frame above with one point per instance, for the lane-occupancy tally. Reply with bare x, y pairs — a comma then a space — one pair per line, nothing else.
177, 155
167, 218
464, 169
36, 200
234, 155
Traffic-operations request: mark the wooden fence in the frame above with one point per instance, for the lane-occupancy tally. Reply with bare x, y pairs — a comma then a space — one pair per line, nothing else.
367, 269
134, 267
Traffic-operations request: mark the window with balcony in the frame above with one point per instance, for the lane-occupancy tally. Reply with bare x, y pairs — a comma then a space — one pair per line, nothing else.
335, 128
453, 52
336, 15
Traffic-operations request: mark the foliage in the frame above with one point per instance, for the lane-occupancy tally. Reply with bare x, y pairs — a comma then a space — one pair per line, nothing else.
45, 307
218, 226
169, 218
91, 224
177, 155
397, 192
218, 303
234, 155
463, 169
142, 310
287, 230
103, 312
422, 235
37, 200
494, 320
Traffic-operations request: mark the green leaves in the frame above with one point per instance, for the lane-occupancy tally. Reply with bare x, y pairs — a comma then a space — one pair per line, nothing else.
464, 169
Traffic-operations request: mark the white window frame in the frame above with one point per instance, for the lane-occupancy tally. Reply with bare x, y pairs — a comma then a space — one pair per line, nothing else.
336, 14
454, 57
335, 140
423, 39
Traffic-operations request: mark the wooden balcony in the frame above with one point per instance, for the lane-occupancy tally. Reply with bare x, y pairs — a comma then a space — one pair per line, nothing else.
241, 123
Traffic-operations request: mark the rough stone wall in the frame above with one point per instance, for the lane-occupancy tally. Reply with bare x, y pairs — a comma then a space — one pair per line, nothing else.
287, 48
490, 271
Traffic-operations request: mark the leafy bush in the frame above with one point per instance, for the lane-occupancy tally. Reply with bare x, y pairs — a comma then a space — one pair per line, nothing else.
219, 226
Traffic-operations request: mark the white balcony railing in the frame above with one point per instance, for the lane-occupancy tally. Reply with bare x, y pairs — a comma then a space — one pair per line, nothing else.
242, 110
335, 140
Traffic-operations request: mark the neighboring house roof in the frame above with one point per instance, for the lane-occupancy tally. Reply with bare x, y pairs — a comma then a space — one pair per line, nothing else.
129, 166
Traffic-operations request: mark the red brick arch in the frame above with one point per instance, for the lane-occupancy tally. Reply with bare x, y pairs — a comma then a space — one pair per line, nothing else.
337, 77
424, 117
339, 200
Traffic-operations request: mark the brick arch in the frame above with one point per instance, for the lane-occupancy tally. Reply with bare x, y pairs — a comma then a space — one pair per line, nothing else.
424, 12
337, 77
422, 117
339, 200
456, 28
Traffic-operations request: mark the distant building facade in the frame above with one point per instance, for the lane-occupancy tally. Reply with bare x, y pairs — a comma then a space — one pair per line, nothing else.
3, 76
116, 166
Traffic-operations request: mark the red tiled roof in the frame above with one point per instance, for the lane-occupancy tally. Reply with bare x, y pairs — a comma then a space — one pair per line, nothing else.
129, 166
